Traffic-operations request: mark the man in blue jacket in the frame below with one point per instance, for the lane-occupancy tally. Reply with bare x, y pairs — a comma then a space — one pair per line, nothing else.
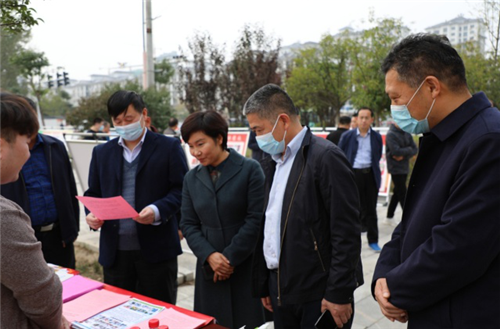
46, 191
442, 267
139, 254
363, 148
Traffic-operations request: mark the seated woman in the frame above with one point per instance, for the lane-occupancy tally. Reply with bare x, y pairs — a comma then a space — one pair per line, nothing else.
222, 204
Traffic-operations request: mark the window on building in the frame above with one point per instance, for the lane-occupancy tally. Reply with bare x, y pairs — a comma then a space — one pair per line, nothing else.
472, 26
445, 30
465, 27
453, 28
436, 32
453, 34
460, 28
465, 34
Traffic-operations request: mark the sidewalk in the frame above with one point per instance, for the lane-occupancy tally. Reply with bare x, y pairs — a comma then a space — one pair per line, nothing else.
367, 312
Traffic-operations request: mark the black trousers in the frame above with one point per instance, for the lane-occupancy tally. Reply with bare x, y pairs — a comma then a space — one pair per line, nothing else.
399, 194
131, 272
300, 316
53, 249
368, 194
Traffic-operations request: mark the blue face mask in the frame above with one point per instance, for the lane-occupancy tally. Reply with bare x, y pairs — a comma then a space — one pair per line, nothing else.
406, 122
268, 144
132, 131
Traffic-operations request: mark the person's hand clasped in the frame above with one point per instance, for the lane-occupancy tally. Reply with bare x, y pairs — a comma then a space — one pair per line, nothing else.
221, 266
93, 221
398, 157
146, 216
390, 311
341, 312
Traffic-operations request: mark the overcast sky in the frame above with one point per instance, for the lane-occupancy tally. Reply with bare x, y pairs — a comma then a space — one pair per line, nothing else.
93, 36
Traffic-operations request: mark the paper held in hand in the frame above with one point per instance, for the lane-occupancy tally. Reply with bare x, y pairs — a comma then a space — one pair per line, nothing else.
108, 208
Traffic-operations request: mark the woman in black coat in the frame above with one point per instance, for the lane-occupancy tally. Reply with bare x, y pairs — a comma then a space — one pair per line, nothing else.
222, 204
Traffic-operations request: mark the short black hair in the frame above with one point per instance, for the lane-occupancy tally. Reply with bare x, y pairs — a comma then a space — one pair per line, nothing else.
355, 115
210, 123
365, 108
120, 101
18, 117
421, 55
344, 120
97, 120
173, 122
268, 102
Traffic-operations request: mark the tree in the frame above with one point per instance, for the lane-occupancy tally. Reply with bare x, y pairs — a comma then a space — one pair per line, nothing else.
10, 45
490, 12
17, 16
31, 65
320, 79
164, 72
200, 78
482, 71
56, 103
368, 53
157, 102
254, 64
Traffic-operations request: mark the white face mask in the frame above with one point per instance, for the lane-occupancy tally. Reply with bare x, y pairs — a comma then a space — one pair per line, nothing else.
132, 131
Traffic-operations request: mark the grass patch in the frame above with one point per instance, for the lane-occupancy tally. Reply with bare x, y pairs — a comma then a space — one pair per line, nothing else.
87, 262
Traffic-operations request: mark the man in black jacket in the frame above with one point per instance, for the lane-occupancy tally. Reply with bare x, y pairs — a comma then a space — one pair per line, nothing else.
344, 125
307, 256
46, 191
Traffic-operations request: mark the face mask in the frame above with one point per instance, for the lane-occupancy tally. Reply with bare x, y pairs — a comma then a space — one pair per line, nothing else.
406, 122
268, 144
132, 131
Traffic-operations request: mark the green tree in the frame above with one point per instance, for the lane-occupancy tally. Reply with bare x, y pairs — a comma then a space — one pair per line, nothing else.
10, 45
56, 103
164, 72
31, 65
200, 77
368, 53
320, 79
157, 102
17, 16
482, 71
254, 64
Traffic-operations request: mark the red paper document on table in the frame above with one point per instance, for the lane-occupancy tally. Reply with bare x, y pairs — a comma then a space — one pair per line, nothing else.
108, 208
77, 286
92, 303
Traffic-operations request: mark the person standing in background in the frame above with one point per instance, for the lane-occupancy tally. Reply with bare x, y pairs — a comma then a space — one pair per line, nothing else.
344, 125
46, 191
399, 149
363, 148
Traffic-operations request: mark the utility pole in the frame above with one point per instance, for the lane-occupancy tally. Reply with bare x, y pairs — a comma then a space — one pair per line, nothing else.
148, 79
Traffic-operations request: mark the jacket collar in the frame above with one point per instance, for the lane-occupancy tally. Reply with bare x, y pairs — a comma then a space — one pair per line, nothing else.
231, 168
456, 119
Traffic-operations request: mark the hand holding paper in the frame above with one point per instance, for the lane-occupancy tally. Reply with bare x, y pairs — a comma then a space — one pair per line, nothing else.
108, 208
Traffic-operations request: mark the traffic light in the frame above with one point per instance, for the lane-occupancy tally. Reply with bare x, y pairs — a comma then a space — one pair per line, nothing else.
50, 82
60, 82
66, 78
